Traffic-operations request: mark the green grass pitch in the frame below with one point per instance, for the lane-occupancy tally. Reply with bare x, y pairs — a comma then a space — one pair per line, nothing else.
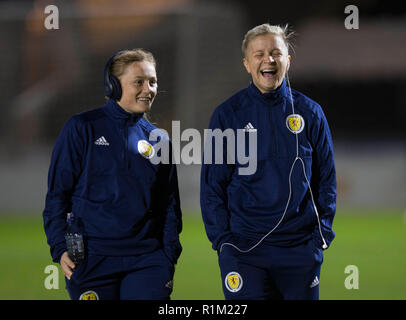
374, 242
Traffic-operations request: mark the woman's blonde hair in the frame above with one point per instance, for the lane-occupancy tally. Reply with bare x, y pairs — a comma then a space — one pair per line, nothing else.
127, 57
266, 28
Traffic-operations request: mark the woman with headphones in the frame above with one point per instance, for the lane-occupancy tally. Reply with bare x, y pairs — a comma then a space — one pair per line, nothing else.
124, 207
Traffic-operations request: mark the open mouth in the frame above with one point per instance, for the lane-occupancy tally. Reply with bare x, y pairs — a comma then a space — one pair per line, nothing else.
144, 99
268, 73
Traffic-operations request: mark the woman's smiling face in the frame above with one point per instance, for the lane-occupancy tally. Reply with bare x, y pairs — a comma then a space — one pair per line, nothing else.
267, 60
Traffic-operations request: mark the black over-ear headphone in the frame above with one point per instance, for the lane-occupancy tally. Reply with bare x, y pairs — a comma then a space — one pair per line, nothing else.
112, 86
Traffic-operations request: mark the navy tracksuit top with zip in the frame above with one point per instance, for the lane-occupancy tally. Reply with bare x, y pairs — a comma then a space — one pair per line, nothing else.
126, 205
236, 207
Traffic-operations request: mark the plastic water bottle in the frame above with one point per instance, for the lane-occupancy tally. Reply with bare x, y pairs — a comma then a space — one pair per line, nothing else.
74, 239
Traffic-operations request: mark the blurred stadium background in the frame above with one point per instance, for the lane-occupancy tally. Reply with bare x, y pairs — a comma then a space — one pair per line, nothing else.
358, 76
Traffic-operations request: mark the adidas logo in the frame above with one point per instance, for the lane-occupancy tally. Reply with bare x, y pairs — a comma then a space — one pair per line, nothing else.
249, 128
315, 282
101, 141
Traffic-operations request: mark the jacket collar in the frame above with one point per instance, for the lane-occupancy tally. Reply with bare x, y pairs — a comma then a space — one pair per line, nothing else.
282, 91
116, 112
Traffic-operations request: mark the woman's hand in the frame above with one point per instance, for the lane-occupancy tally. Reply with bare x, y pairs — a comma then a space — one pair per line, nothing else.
67, 265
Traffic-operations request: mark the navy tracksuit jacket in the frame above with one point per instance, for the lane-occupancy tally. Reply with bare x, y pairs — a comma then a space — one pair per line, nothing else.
241, 209
128, 206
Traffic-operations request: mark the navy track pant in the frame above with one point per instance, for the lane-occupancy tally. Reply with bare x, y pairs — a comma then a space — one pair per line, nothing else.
271, 273
143, 277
